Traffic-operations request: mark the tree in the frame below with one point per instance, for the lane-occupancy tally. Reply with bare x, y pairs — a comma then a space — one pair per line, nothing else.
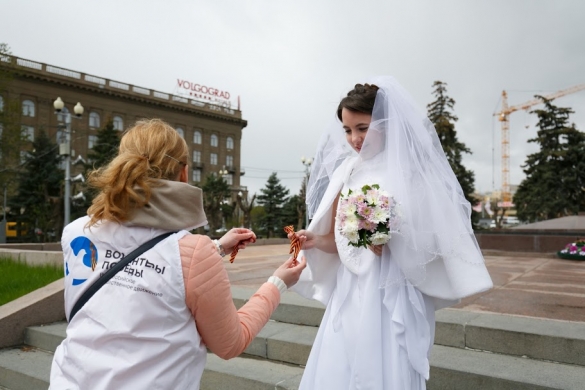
292, 212
257, 217
215, 191
105, 148
246, 206
11, 135
273, 197
103, 151
555, 176
440, 114
39, 199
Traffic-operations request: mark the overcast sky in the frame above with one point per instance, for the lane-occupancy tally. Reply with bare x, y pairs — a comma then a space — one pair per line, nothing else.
291, 61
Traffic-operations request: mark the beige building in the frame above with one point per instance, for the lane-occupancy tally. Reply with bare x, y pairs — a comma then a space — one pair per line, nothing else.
212, 131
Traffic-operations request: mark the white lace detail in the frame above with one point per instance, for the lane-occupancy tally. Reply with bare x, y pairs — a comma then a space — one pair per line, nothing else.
349, 255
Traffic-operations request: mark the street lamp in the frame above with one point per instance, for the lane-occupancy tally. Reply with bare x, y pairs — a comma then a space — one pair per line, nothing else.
307, 163
240, 222
65, 150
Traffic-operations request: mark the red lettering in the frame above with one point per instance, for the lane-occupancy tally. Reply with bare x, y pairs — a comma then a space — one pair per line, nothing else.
203, 89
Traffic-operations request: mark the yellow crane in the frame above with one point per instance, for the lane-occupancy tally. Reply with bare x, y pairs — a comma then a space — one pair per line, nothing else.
503, 117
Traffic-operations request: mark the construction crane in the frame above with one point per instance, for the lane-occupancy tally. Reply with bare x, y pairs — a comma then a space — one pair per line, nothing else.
503, 117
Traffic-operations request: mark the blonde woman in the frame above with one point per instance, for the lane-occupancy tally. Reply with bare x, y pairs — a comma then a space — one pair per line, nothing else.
151, 324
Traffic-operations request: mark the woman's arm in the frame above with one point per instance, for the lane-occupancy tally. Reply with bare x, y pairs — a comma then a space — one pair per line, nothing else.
325, 242
227, 332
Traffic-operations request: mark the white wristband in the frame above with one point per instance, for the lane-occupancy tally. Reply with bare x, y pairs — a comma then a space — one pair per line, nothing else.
278, 283
219, 248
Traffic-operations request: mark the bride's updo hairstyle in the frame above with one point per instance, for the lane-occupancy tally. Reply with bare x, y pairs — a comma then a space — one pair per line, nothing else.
149, 151
360, 99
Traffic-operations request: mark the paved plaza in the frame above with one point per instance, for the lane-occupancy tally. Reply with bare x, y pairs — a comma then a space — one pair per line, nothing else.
537, 285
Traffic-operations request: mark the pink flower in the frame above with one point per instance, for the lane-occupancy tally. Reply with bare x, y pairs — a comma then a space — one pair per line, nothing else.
364, 210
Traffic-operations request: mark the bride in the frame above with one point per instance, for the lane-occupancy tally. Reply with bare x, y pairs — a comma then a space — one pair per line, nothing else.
378, 328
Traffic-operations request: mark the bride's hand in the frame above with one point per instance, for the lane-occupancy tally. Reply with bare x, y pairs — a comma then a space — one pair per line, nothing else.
308, 239
377, 249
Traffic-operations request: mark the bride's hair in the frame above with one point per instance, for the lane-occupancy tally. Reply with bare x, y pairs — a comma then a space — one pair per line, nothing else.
360, 99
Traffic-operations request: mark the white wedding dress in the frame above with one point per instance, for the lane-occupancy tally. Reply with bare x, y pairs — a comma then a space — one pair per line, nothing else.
370, 337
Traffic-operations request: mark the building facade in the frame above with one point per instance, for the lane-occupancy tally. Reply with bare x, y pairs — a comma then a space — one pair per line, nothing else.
212, 132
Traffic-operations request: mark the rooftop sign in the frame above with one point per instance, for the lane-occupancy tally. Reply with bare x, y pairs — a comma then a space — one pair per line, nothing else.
203, 93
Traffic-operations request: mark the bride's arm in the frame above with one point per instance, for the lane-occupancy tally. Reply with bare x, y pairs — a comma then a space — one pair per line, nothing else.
325, 242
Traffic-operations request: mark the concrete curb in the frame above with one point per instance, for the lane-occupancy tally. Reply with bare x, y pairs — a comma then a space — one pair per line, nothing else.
32, 257
536, 338
455, 368
41, 306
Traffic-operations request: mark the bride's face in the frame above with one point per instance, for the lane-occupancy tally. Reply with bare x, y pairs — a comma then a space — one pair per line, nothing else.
355, 125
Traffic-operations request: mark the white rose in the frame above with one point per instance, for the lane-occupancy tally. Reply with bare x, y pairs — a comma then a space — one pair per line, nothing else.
353, 237
350, 210
350, 227
351, 218
379, 215
379, 238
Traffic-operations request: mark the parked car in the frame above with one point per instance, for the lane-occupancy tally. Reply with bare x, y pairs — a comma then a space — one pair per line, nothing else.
486, 223
510, 221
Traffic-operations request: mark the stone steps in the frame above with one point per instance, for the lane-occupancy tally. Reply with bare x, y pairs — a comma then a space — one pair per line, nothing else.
457, 368
472, 351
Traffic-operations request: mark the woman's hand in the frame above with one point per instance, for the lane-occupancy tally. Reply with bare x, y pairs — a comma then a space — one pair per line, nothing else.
239, 237
377, 249
308, 239
291, 270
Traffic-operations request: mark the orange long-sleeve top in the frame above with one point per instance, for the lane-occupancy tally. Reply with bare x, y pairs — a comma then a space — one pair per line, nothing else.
227, 332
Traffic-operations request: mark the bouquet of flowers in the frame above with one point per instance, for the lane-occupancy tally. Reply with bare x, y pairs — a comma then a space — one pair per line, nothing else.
573, 251
367, 216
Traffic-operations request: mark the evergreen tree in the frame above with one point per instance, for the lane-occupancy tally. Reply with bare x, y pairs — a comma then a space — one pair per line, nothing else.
105, 148
39, 200
555, 176
103, 151
273, 197
440, 114
257, 217
215, 191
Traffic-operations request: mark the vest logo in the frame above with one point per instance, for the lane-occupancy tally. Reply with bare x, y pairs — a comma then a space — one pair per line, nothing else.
90, 256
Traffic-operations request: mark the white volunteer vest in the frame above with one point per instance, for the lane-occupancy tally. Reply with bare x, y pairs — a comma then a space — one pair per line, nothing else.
136, 332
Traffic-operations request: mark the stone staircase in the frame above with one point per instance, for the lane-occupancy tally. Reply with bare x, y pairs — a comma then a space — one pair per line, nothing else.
472, 351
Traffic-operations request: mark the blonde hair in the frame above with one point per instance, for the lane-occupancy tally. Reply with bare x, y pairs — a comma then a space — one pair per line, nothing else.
149, 150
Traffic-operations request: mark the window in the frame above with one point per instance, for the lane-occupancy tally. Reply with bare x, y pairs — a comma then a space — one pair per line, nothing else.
181, 132
229, 179
214, 140
91, 141
94, 119
1, 103
196, 156
196, 175
197, 137
28, 108
23, 156
29, 133
229, 161
213, 159
229, 143
118, 123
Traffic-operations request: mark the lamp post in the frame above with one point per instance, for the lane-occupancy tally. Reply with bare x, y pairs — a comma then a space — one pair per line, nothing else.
240, 221
307, 163
65, 150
